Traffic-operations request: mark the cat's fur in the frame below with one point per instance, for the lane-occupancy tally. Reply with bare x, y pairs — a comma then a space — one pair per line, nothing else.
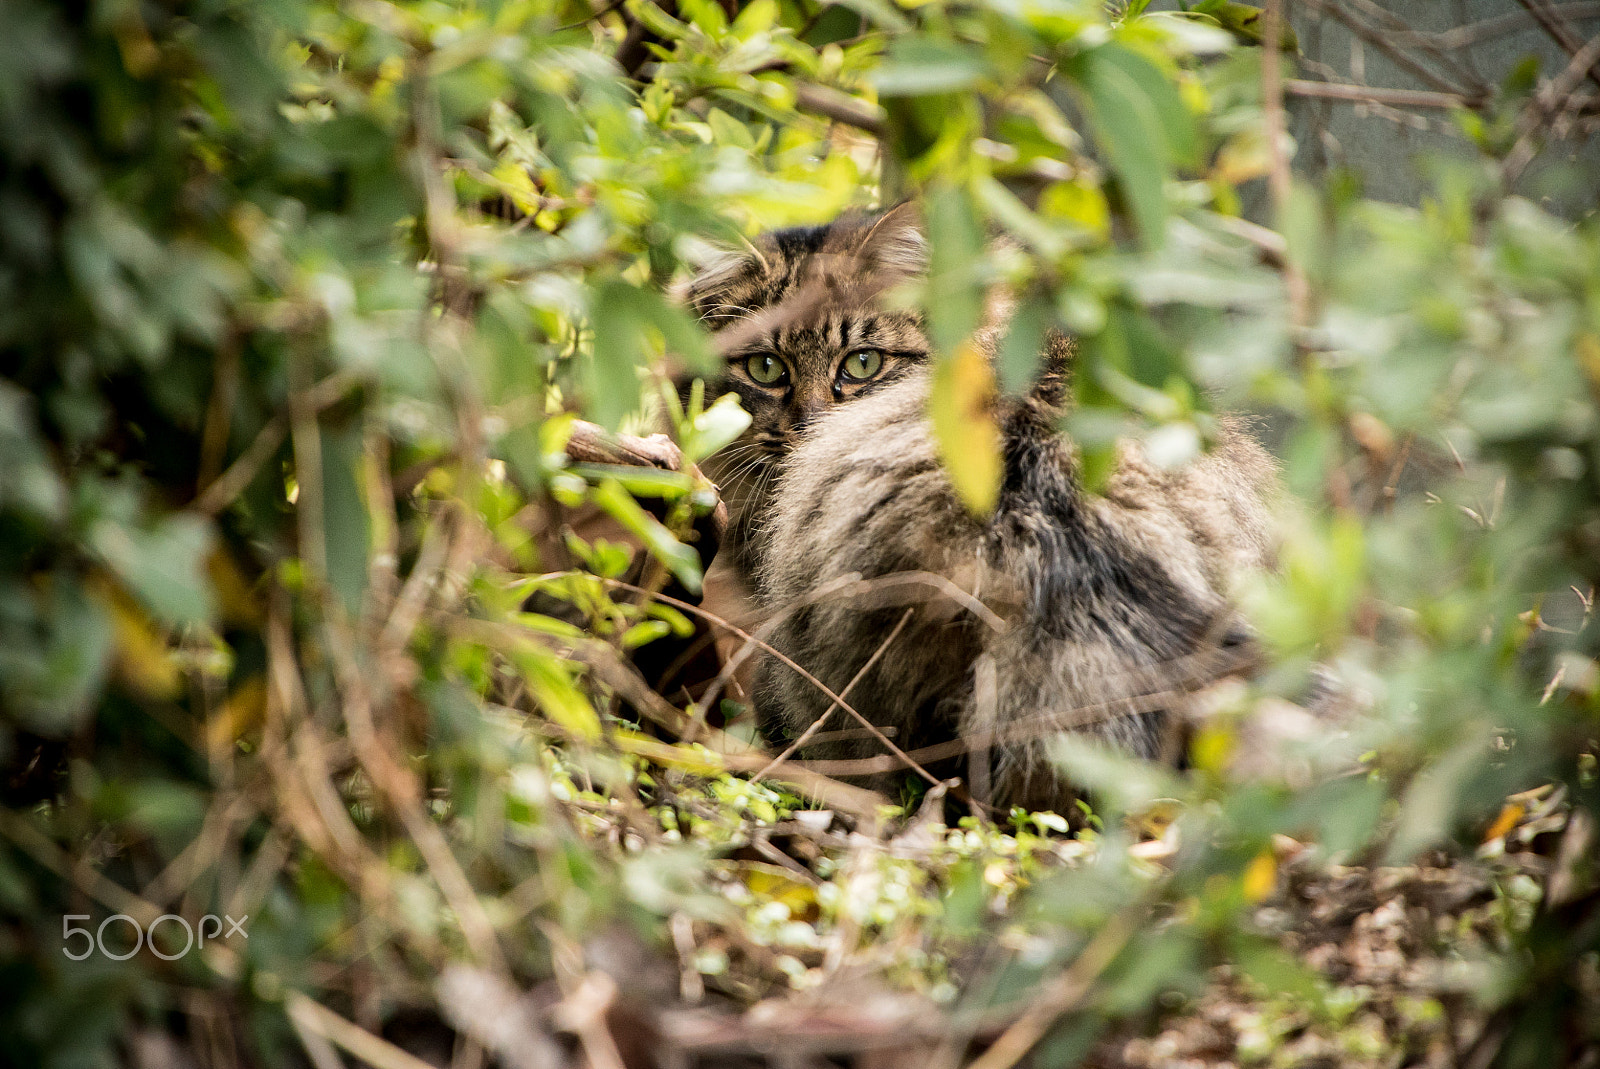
1110, 607
811, 295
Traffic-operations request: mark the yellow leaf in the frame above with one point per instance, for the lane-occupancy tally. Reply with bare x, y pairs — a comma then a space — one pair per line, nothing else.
1260, 876
1243, 156
239, 713
1211, 749
801, 898
517, 184
1589, 358
963, 425
1508, 818
691, 759
558, 697
1078, 202
143, 660
239, 605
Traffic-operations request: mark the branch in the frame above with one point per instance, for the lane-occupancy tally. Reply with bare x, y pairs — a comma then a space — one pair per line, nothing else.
841, 107
1278, 179
1383, 42
1557, 27
1399, 98
1068, 989
1555, 96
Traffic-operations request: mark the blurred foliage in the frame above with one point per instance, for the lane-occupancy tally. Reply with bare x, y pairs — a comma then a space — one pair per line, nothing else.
297, 298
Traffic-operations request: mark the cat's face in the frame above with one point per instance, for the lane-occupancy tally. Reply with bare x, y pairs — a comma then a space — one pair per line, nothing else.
801, 325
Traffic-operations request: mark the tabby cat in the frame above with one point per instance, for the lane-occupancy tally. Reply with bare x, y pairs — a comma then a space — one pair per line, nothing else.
1092, 612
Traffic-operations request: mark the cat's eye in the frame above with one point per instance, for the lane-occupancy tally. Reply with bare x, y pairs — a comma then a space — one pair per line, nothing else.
766, 369
862, 364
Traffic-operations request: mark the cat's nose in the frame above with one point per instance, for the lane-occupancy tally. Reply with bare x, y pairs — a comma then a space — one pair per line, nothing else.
803, 416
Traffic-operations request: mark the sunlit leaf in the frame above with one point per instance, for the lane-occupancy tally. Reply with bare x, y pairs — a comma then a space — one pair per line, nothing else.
963, 424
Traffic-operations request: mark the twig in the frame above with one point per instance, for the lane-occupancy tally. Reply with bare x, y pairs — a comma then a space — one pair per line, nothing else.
1378, 39
1486, 29
841, 107
374, 1050
1394, 24
1278, 181
408, 606
1553, 97
852, 586
1393, 482
398, 785
219, 411
690, 986
1271, 244
713, 618
110, 894
1049, 723
231, 483
726, 752
816, 725
1064, 992
1400, 98
201, 853
1556, 26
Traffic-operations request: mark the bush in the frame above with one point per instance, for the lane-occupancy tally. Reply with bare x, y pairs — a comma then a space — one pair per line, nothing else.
299, 301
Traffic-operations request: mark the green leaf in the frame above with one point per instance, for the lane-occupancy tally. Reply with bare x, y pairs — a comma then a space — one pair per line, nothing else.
1143, 125
681, 560
1022, 348
1245, 22
618, 351
164, 564
643, 632
549, 678
346, 526
715, 428
918, 66
954, 298
706, 14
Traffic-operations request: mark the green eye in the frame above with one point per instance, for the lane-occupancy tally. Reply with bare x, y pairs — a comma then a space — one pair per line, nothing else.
766, 369
863, 364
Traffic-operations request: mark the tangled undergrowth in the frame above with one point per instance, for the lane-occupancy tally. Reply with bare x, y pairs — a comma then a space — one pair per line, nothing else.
353, 701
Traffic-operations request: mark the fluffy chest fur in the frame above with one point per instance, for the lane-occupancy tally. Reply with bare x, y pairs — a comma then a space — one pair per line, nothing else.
1111, 608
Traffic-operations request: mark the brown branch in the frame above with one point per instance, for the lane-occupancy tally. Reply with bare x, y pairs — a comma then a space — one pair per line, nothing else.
1066, 991
841, 107
1278, 180
1490, 28
91, 882
1191, 673
1382, 41
731, 753
1555, 96
1558, 28
232, 482
877, 732
847, 587
1399, 98
816, 725
1393, 24
324, 1023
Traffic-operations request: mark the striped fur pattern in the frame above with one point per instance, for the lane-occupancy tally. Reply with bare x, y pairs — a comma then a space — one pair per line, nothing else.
807, 298
1103, 609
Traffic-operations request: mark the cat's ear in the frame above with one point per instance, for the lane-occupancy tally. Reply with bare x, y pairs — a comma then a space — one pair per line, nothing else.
895, 241
715, 269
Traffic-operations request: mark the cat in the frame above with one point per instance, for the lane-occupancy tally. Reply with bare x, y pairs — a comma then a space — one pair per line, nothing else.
1095, 613
801, 323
